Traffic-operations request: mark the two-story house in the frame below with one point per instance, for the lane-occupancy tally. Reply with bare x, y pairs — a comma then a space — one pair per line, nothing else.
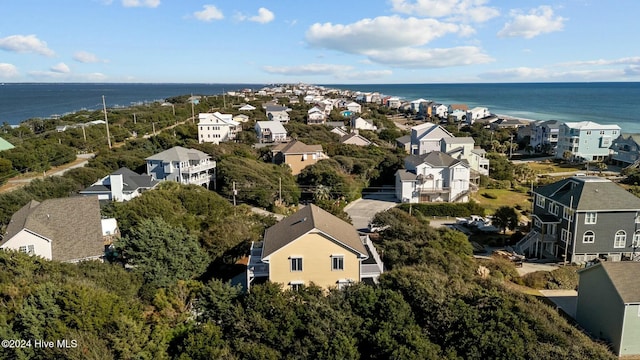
625, 150
427, 137
433, 177
354, 107
297, 155
313, 246
216, 128
477, 113
582, 218
270, 131
278, 113
316, 116
186, 166
121, 185
464, 148
585, 141
362, 124
66, 229
544, 136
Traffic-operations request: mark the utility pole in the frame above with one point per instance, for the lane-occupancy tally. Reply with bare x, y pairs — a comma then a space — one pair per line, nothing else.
280, 189
570, 233
135, 121
235, 192
153, 125
84, 134
106, 120
510, 146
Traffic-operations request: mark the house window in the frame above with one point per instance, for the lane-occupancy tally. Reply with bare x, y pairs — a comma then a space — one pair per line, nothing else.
566, 213
296, 264
337, 262
620, 239
537, 223
27, 249
589, 237
540, 201
590, 218
296, 285
636, 239
342, 283
565, 236
553, 208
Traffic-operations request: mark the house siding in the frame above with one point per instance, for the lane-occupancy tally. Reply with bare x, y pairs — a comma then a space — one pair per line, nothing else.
316, 251
630, 344
41, 246
605, 228
600, 310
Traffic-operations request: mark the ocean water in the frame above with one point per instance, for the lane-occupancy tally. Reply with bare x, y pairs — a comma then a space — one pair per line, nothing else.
22, 101
605, 103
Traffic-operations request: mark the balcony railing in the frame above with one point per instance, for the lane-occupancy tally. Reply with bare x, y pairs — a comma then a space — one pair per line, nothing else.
199, 168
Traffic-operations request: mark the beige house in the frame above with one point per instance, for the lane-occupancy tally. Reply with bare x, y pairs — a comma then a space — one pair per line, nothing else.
313, 246
65, 229
355, 139
297, 155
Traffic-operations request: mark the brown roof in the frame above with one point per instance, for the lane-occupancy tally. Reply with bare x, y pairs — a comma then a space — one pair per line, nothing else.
625, 277
296, 147
459, 107
308, 219
72, 224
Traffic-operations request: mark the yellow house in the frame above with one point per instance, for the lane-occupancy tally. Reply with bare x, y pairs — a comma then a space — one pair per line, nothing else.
313, 246
297, 155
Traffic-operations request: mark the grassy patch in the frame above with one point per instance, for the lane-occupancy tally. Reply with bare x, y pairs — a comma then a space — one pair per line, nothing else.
548, 167
491, 199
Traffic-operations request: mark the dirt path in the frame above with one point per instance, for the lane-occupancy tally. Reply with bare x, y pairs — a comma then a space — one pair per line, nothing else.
24, 179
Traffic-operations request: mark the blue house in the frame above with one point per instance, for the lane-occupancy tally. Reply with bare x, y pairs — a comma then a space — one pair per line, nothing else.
585, 141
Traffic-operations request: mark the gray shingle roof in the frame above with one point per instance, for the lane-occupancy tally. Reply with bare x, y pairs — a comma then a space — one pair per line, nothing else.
625, 277
406, 175
590, 193
178, 153
305, 220
132, 181
433, 158
72, 224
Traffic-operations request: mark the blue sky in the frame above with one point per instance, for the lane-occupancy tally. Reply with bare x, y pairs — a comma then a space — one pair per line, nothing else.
327, 42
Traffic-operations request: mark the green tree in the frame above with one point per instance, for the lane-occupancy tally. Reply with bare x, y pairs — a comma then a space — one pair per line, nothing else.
505, 217
162, 253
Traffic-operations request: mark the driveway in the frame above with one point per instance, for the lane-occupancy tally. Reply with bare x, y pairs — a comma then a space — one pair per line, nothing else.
363, 210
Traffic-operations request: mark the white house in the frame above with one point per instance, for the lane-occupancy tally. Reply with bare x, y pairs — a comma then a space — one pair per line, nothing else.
415, 104
247, 107
477, 113
394, 102
278, 113
440, 110
270, 131
121, 185
216, 128
354, 107
433, 177
427, 137
186, 166
241, 118
362, 124
65, 229
316, 116
463, 148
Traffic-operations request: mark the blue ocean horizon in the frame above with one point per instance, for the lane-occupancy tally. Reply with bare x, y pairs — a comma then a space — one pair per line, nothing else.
601, 102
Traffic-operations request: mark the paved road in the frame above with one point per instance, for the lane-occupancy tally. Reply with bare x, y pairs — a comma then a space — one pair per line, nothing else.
363, 210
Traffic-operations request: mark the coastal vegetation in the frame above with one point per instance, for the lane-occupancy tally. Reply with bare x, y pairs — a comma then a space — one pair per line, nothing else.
167, 290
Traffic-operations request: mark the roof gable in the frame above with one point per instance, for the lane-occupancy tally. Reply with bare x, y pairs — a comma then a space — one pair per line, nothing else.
308, 219
178, 153
624, 276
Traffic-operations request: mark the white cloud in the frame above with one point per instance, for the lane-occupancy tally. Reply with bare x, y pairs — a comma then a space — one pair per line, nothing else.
61, 68
264, 16
57, 76
334, 70
470, 10
141, 3
25, 44
431, 58
87, 57
540, 20
8, 71
209, 13
381, 33
601, 62
524, 74
309, 69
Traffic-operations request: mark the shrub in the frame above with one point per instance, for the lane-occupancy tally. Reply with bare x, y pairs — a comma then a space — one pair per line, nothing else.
445, 209
489, 195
